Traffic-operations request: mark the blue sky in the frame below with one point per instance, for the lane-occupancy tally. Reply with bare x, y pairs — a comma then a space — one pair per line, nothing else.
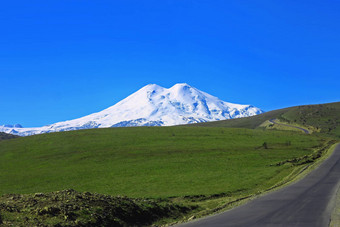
64, 59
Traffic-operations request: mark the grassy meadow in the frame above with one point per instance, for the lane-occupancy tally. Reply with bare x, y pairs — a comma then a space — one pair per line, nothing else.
157, 162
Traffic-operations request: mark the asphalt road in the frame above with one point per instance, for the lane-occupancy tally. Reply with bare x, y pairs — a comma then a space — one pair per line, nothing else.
274, 122
308, 202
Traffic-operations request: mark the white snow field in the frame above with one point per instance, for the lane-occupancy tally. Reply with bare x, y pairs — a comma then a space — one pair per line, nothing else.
152, 105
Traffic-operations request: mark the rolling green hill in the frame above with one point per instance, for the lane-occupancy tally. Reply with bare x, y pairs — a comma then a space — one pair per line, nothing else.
324, 118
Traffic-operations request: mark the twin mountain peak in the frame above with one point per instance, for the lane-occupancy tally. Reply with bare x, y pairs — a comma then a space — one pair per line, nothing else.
152, 105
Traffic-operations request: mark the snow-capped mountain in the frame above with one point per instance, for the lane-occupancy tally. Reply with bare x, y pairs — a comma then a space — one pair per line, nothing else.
152, 105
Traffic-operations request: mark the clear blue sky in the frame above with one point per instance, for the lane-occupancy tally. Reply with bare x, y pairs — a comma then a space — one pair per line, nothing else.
64, 59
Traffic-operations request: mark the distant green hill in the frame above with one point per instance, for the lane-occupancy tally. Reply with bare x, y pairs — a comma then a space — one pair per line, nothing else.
5, 136
325, 118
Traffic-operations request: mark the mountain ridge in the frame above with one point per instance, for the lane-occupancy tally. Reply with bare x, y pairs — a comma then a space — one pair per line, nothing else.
152, 105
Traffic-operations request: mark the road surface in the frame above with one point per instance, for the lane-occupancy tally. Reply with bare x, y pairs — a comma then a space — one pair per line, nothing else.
308, 202
274, 122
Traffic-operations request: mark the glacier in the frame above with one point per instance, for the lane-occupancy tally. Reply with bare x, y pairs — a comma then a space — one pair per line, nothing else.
152, 105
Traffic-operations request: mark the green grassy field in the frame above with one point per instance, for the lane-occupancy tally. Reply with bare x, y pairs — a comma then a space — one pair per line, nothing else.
185, 172
150, 162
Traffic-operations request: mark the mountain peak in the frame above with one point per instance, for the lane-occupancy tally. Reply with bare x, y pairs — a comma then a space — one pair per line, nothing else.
152, 105
181, 85
151, 87
182, 89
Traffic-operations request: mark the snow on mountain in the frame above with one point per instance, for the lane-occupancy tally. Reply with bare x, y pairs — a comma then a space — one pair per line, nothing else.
152, 105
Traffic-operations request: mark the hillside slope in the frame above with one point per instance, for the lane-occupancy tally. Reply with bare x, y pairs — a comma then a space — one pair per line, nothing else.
325, 118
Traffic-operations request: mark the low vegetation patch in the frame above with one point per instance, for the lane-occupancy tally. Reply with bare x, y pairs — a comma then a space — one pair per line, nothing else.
278, 125
72, 208
311, 157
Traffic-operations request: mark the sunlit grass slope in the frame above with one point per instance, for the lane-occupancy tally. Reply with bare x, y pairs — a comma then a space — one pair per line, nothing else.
150, 162
323, 117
